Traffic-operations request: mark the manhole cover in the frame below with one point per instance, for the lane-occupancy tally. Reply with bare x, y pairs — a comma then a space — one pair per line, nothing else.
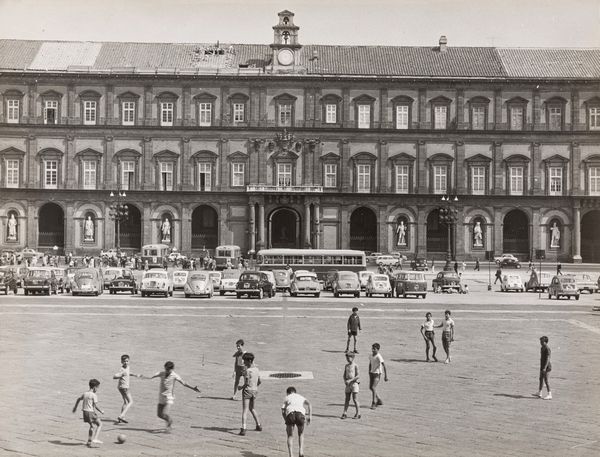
285, 375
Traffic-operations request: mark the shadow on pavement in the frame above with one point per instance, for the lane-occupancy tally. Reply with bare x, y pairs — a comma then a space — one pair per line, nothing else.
147, 430
410, 360
64, 443
326, 415
251, 454
206, 397
334, 352
219, 429
526, 397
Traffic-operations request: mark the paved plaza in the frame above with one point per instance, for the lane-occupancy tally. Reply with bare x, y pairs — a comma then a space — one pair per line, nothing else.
479, 405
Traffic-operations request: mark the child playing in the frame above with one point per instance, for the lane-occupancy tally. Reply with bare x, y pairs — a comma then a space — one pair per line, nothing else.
123, 386
353, 328
545, 368
89, 407
376, 366
238, 366
429, 335
294, 411
249, 391
447, 333
351, 380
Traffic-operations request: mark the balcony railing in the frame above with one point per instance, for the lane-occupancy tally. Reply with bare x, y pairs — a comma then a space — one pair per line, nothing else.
286, 189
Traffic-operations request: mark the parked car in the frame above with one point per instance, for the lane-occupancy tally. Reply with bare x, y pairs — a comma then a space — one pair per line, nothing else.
445, 281
330, 277
71, 276
176, 257
387, 261
215, 276
507, 260
124, 283
305, 284
19, 271
272, 280
512, 282
61, 278
8, 281
179, 279
40, 279
363, 277
586, 283
283, 280
378, 284
563, 286
229, 280
28, 253
87, 281
110, 253
538, 281
419, 264
410, 283
109, 274
346, 282
254, 283
372, 257
198, 284
156, 282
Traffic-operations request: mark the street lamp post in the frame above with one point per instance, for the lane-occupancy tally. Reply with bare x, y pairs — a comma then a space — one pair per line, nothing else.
448, 216
118, 212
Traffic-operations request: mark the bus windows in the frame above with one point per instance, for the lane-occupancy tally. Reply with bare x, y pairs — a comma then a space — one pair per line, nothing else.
337, 259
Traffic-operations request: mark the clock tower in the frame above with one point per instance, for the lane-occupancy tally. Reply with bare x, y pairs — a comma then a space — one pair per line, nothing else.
285, 47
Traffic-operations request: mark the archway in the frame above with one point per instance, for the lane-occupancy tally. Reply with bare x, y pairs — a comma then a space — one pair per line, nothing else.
515, 234
205, 228
131, 229
437, 235
284, 228
590, 241
363, 230
51, 227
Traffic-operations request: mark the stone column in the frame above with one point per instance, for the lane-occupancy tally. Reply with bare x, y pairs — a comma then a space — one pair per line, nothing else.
459, 184
574, 165
346, 108
261, 224
224, 164
537, 110
344, 228
185, 165
383, 109
576, 233
252, 227
31, 178
422, 107
186, 229
225, 114
148, 120
317, 224
109, 116
67, 164
421, 184
497, 167
498, 124
32, 95
575, 125
383, 185
186, 104
146, 167
460, 110
307, 242
71, 106
107, 160
147, 224
344, 166
535, 174
497, 230
69, 229
421, 228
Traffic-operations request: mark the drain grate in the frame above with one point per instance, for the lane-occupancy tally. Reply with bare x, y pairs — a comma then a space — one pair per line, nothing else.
285, 375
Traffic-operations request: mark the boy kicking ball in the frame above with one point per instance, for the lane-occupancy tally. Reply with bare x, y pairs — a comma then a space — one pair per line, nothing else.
89, 407
123, 386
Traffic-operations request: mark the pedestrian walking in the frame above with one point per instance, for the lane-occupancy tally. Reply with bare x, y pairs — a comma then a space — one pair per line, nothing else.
456, 267
250, 391
476, 264
464, 266
447, 333
294, 410
89, 408
545, 368
351, 380
498, 275
123, 386
376, 367
429, 336
353, 327
559, 268
238, 366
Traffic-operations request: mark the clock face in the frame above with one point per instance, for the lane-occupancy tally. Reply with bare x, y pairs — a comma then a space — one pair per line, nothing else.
285, 57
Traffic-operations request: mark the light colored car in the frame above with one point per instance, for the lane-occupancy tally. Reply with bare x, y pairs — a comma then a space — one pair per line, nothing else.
110, 253
176, 257
20, 271
512, 282
229, 280
215, 276
179, 279
378, 284
29, 253
563, 286
538, 281
305, 284
156, 282
372, 257
586, 283
111, 273
283, 280
363, 277
387, 261
87, 281
346, 282
410, 283
198, 284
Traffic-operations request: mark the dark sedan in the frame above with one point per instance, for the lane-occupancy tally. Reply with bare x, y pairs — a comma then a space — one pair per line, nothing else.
123, 283
446, 281
419, 264
510, 263
254, 283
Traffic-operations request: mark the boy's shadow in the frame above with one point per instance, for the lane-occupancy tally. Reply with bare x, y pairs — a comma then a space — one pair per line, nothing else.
326, 415
217, 429
147, 430
64, 443
518, 397
333, 352
410, 360
251, 454
206, 397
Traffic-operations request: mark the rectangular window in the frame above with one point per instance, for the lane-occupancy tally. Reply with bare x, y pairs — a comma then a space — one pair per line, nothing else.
239, 113
166, 114
50, 112
285, 115
516, 118
516, 180
166, 176
237, 174
204, 114
594, 118
330, 175
556, 180
402, 179
595, 181
89, 113
478, 180
204, 176
12, 111
478, 118
555, 118
51, 174
330, 113
440, 116
12, 173
284, 174
128, 175
364, 116
128, 113
440, 179
402, 117
89, 174
363, 183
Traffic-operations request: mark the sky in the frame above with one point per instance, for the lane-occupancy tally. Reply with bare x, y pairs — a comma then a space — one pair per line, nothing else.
510, 23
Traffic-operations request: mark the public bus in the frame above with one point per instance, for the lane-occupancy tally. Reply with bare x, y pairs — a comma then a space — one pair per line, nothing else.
225, 254
154, 254
318, 260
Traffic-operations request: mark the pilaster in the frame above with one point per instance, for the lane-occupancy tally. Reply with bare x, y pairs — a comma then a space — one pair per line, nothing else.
421, 184
383, 109
498, 124
318, 110
574, 165
537, 110
69, 228
68, 163
345, 166
32, 179
186, 167
148, 119
70, 117
186, 105
346, 122
110, 107
497, 171
422, 109
186, 229
223, 153
460, 110
576, 124
147, 167
460, 182
498, 230
225, 118
32, 96
107, 163
383, 183
535, 173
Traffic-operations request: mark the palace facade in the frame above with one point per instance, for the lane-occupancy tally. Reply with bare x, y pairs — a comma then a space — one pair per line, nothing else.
291, 145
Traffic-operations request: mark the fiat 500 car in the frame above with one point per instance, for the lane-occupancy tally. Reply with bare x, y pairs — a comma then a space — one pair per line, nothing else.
156, 282
198, 284
179, 279
124, 283
346, 282
229, 280
87, 281
283, 280
410, 283
378, 284
446, 281
585, 283
512, 282
8, 281
254, 283
563, 286
305, 284
39, 280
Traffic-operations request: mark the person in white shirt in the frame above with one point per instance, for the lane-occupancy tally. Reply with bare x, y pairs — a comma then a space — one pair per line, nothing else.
123, 386
376, 366
89, 408
447, 333
429, 336
294, 410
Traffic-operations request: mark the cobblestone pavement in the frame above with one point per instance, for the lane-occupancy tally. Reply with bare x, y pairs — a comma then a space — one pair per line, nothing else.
479, 405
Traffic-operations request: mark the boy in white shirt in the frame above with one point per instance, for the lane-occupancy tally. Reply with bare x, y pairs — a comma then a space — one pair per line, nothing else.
294, 411
429, 335
89, 407
447, 333
376, 366
123, 386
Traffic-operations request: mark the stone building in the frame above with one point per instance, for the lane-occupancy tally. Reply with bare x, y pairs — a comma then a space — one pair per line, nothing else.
291, 145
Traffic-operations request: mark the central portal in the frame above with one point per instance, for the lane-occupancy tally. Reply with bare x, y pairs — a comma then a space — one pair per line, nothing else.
284, 228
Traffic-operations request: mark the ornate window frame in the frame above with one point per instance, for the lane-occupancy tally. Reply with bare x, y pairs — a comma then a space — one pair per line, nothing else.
168, 157
364, 100
402, 159
128, 155
440, 160
556, 161
364, 158
479, 102
440, 101
94, 97
516, 102
50, 154
478, 160
208, 99
11, 154
238, 157
591, 162
167, 97
332, 99
93, 156
239, 99
402, 100
52, 96
554, 103
592, 103
516, 161
331, 158
128, 97
12, 95
203, 157
285, 99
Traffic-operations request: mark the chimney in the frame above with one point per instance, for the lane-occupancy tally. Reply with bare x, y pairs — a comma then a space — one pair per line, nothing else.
443, 43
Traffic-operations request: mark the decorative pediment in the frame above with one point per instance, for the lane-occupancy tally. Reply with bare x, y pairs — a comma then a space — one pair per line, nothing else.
88, 152
478, 158
364, 99
205, 97
285, 97
330, 157
127, 153
479, 100
238, 97
593, 101
50, 152
556, 101
402, 157
12, 151
331, 98
517, 101
238, 156
441, 158
13, 93
167, 96
364, 157
557, 159
517, 158
440, 100
205, 156
89, 94
595, 159
128, 95
284, 154
165, 155
51, 94
402, 99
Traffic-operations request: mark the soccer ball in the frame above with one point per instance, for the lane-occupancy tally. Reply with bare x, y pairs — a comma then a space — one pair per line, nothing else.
121, 438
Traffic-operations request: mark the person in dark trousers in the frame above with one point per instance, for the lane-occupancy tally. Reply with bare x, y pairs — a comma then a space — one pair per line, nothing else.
476, 264
353, 328
545, 368
498, 276
559, 268
456, 267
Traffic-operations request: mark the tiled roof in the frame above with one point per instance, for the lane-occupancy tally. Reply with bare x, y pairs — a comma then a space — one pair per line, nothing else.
365, 61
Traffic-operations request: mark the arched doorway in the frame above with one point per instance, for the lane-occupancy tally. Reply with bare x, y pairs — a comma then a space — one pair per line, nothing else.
51, 227
590, 241
515, 234
363, 230
284, 228
205, 228
437, 236
131, 229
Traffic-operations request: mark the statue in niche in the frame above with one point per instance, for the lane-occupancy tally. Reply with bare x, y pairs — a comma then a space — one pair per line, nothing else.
12, 228
88, 229
555, 239
401, 234
166, 230
477, 235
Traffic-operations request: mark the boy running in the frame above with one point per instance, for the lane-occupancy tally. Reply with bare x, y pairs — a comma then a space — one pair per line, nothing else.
123, 386
238, 366
545, 368
429, 336
353, 328
376, 366
351, 380
249, 391
447, 333
294, 410
89, 407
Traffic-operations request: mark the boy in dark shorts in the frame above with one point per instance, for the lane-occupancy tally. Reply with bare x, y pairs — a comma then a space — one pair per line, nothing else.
429, 336
376, 368
545, 368
353, 328
249, 391
123, 386
294, 410
89, 407
238, 366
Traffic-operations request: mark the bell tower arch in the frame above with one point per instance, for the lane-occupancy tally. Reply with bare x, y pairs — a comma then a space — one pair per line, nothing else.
285, 47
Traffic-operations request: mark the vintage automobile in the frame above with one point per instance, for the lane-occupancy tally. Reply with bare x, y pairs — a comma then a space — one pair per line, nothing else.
507, 260
176, 257
419, 264
19, 271
283, 280
305, 284
387, 261
28, 253
8, 281
229, 280
61, 279
372, 257
40, 279
111, 273
216, 276
363, 277
563, 286
156, 282
179, 279
70, 276
271, 277
110, 253
346, 282
512, 282
586, 283
410, 283
538, 281
124, 283
378, 284
446, 281
87, 281
330, 277
254, 283
198, 284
